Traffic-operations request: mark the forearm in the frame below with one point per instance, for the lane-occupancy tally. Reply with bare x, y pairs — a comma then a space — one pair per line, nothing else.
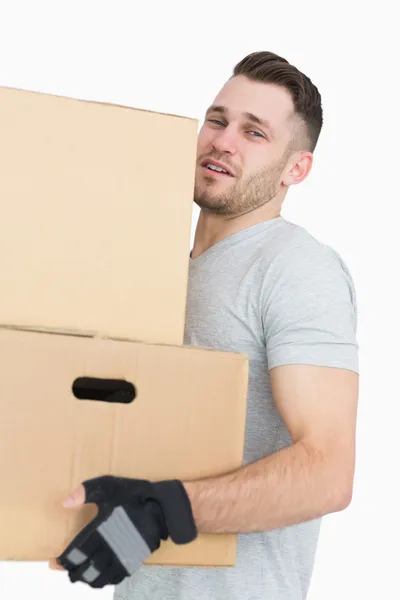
290, 486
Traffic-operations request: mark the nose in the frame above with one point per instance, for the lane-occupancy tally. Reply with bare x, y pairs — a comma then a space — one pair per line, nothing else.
225, 140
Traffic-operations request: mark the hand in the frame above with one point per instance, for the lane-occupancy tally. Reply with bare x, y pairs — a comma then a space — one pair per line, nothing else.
134, 516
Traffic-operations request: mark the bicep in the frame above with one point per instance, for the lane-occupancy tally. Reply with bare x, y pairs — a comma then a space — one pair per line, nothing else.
318, 404
319, 408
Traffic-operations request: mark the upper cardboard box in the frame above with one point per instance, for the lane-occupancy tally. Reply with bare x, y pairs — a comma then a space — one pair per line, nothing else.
96, 216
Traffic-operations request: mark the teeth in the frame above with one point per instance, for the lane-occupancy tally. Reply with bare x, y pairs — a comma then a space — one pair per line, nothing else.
215, 168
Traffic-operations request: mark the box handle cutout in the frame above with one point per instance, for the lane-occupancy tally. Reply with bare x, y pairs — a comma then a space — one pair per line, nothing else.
104, 390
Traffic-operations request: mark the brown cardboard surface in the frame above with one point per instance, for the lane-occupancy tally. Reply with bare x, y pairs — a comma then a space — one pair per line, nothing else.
96, 216
187, 421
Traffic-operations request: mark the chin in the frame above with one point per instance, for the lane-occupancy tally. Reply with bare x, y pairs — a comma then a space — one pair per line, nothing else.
212, 204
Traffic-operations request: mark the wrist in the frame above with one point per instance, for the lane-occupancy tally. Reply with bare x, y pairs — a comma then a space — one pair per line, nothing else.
189, 487
177, 509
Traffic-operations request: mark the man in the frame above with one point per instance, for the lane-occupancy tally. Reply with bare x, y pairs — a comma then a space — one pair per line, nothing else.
264, 287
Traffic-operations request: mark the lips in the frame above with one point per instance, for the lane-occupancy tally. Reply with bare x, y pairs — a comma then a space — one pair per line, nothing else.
217, 167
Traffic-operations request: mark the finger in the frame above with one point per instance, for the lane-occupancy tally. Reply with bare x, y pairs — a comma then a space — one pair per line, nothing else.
76, 498
86, 572
85, 544
55, 566
90, 570
113, 575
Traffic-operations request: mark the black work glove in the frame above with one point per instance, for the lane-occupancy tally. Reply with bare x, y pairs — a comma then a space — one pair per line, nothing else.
134, 516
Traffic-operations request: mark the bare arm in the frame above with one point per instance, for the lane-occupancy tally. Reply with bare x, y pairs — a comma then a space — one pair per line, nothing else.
311, 478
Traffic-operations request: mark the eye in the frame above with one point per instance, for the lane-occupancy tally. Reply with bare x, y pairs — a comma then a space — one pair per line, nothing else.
256, 134
216, 122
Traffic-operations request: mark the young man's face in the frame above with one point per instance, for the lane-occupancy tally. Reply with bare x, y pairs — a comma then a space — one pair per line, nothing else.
247, 132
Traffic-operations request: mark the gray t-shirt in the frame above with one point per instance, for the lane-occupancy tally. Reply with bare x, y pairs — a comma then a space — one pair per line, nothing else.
280, 296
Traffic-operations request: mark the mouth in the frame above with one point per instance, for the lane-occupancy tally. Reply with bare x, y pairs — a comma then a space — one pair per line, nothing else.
216, 168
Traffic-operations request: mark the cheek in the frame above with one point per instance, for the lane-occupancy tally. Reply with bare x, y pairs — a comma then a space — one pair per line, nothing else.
256, 159
204, 140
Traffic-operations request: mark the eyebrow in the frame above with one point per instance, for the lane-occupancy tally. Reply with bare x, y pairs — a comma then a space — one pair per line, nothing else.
248, 115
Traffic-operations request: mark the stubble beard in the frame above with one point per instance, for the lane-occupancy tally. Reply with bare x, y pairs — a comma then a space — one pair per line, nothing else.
243, 195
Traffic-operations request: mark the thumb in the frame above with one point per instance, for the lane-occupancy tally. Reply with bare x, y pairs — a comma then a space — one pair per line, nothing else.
76, 498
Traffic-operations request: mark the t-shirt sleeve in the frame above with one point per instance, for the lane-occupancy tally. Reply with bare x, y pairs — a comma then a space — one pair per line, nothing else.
309, 310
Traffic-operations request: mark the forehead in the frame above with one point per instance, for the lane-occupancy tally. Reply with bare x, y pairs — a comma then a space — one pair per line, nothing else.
267, 101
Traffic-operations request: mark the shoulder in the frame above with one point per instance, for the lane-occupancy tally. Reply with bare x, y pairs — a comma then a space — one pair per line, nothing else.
295, 252
308, 303
301, 271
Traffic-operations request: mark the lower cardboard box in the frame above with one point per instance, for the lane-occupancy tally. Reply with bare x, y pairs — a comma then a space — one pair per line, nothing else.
58, 427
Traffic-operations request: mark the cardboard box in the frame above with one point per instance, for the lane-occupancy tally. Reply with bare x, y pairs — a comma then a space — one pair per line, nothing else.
187, 421
96, 216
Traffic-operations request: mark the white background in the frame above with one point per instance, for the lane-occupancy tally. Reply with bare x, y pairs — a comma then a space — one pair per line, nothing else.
173, 57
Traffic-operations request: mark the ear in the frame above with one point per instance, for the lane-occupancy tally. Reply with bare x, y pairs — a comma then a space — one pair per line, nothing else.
298, 167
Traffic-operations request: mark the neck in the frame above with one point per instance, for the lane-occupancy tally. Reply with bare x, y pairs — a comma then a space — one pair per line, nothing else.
212, 228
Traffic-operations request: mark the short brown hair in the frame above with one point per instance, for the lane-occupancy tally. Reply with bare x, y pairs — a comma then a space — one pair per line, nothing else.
268, 67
